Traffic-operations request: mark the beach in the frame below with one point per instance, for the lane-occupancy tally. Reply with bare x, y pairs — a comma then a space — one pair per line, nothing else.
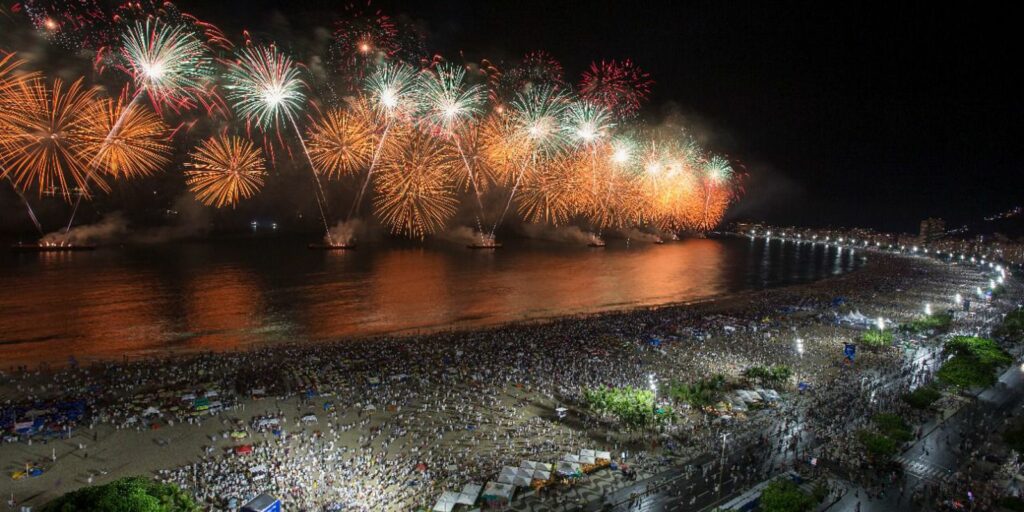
389, 423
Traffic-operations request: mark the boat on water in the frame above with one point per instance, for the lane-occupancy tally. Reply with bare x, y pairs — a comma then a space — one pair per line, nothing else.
596, 243
332, 247
485, 245
44, 247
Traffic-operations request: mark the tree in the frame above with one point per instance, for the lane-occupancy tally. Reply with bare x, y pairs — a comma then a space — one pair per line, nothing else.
878, 446
974, 362
1012, 326
937, 322
131, 494
893, 427
875, 338
922, 397
785, 496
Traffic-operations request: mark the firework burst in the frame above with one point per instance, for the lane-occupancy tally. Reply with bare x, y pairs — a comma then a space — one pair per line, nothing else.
224, 170
364, 39
415, 191
537, 69
587, 124
264, 86
392, 91
169, 62
446, 101
551, 193
45, 127
539, 115
620, 87
340, 143
124, 141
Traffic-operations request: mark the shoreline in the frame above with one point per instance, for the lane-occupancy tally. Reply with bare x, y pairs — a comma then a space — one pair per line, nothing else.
168, 354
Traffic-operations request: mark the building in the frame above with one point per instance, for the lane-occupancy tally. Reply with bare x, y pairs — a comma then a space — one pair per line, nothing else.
932, 229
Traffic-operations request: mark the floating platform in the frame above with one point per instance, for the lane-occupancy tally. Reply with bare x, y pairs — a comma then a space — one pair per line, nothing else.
332, 247
485, 245
659, 242
52, 247
598, 243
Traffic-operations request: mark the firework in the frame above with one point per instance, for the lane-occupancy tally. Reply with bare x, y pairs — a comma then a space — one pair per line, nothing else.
539, 115
224, 170
340, 143
265, 87
365, 39
537, 69
619, 87
551, 194
169, 62
126, 141
587, 123
45, 127
392, 91
445, 99
415, 191
717, 191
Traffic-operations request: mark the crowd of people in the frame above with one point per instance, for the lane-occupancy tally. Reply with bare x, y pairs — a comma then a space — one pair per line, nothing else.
389, 423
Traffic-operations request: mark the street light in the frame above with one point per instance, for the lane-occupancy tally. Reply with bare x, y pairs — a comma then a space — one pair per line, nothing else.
880, 323
958, 299
928, 309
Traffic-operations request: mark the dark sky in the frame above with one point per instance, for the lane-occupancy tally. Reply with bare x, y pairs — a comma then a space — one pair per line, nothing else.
850, 115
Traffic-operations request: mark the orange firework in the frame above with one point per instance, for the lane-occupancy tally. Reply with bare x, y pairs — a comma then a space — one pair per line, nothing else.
224, 170
471, 138
341, 143
42, 146
415, 186
502, 147
551, 193
10, 75
124, 141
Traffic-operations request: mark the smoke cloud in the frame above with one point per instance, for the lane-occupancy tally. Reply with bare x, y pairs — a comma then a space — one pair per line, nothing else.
110, 227
570, 234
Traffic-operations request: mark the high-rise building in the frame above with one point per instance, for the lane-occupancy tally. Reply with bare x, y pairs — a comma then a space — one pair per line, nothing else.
932, 229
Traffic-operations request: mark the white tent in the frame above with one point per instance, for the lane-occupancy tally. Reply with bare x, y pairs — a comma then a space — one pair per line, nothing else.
150, 411
540, 474
571, 457
447, 502
604, 455
469, 494
587, 457
498, 490
568, 468
543, 466
521, 481
507, 475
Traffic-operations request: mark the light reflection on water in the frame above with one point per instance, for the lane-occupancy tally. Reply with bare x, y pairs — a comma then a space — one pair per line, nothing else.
229, 293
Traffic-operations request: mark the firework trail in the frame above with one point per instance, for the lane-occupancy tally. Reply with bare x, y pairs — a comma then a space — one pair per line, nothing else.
42, 147
416, 192
539, 118
448, 104
392, 92
265, 87
10, 79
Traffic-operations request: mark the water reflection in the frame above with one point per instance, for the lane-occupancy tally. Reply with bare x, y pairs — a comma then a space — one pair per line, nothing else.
218, 296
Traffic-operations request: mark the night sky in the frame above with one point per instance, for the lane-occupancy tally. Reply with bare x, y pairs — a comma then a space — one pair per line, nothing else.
845, 115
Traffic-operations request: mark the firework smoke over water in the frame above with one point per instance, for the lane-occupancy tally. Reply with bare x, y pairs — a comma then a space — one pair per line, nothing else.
424, 147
